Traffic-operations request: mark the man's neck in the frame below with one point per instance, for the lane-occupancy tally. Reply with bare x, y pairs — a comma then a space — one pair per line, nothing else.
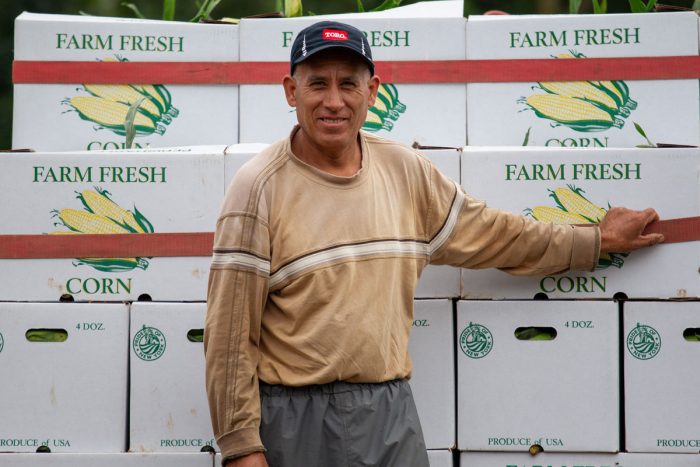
343, 163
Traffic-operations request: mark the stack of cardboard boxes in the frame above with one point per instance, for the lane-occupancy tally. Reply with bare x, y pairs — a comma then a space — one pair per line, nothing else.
500, 372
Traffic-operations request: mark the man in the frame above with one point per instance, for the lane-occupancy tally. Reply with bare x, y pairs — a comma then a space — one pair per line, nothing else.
318, 248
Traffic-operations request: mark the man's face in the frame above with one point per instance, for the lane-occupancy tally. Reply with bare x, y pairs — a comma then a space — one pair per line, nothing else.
331, 92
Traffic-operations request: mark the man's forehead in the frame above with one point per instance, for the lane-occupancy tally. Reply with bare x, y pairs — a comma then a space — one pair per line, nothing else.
334, 58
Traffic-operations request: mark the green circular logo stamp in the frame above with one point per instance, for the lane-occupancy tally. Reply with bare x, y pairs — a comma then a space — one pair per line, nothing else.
2, 342
149, 344
643, 342
476, 341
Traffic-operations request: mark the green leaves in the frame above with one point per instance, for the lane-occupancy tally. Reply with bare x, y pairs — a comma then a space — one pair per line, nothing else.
600, 7
205, 9
574, 6
134, 9
168, 10
293, 8
129, 122
641, 131
638, 6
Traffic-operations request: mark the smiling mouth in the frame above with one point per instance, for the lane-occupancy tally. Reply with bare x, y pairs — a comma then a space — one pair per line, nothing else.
332, 120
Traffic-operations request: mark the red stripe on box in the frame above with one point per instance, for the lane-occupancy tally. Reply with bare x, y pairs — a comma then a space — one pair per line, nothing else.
201, 243
433, 71
106, 245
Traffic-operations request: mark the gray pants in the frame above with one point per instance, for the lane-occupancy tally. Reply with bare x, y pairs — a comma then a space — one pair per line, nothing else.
341, 425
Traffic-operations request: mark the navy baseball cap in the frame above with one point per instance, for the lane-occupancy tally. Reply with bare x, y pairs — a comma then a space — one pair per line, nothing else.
328, 35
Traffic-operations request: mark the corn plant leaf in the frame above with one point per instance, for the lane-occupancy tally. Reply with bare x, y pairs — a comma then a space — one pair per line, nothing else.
638, 6
168, 10
134, 9
527, 137
293, 8
361, 7
696, 5
641, 131
205, 9
600, 7
129, 127
387, 5
574, 6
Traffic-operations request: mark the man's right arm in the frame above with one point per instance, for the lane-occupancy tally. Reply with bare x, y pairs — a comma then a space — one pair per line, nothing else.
236, 297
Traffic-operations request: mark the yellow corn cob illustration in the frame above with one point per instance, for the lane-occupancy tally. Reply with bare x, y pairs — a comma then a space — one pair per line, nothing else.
572, 112
99, 203
571, 199
583, 90
87, 222
126, 94
555, 215
112, 115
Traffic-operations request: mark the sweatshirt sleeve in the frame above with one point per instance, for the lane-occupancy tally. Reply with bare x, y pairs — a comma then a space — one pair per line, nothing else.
467, 233
238, 285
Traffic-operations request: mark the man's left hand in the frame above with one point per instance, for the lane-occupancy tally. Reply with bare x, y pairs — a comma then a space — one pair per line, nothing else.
621, 230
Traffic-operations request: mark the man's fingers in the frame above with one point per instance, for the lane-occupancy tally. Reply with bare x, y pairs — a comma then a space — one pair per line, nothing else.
652, 239
650, 215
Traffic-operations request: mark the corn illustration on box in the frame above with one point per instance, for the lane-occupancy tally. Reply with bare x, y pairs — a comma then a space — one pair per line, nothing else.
400, 109
578, 186
604, 113
111, 192
95, 115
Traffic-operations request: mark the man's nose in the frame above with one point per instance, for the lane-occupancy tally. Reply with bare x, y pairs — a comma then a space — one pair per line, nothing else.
333, 98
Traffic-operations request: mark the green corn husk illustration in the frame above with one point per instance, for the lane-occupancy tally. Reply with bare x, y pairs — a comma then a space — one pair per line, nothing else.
386, 109
107, 106
101, 215
574, 208
584, 106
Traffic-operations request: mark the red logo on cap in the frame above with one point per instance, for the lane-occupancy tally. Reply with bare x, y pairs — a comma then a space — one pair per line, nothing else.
334, 35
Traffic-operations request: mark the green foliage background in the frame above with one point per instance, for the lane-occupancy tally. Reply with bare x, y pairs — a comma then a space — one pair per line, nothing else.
186, 9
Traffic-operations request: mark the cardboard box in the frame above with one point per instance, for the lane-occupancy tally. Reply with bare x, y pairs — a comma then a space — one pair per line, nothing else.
237, 155
431, 347
424, 113
80, 116
502, 459
107, 460
440, 458
168, 410
169, 190
515, 391
604, 112
526, 180
661, 347
68, 395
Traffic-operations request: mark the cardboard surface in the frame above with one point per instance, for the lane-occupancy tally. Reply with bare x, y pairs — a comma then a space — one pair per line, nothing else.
502, 459
525, 180
171, 190
661, 385
431, 347
266, 117
70, 396
168, 403
561, 394
107, 460
171, 115
499, 114
440, 458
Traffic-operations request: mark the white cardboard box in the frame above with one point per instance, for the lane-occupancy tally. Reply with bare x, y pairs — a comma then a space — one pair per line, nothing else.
440, 458
108, 460
168, 409
502, 459
424, 113
661, 384
504, 113
431, 347
521, 180
561, 394
169, 190
70, 396
237, 155
80, 116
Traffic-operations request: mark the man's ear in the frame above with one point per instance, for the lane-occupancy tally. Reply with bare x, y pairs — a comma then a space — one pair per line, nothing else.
373, 85
290, 86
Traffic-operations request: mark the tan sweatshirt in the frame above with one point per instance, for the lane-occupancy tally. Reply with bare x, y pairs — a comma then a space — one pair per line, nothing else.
313, 275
